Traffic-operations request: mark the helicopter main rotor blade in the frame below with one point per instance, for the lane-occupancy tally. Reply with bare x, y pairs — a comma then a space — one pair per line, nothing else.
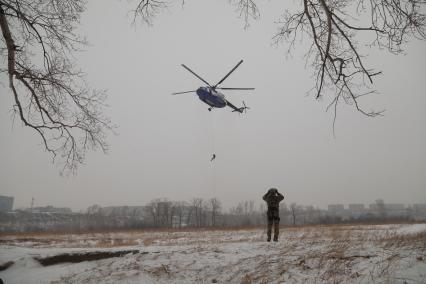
193, 73
229, 73
184, 92
235, 88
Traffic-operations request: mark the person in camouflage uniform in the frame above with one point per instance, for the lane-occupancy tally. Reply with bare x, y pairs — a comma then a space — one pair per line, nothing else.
273, 199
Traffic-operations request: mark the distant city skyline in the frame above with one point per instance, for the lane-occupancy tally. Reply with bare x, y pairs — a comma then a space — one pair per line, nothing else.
364, 206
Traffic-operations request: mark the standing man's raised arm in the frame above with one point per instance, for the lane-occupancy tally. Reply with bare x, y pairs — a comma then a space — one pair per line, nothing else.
280, 196
265, 197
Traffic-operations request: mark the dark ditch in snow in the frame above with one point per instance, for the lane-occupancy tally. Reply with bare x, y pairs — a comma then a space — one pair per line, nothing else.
80, 257
6, 265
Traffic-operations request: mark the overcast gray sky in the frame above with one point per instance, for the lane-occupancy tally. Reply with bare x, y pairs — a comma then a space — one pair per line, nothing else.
165, 142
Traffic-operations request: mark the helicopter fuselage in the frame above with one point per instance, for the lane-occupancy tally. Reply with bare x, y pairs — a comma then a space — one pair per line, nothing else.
211, 97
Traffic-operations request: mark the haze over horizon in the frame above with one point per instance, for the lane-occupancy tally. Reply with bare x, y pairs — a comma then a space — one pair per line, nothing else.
285, 140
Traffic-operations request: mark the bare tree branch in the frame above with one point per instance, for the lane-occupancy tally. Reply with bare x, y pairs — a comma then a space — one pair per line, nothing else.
335, 55
247, 10
50, 95
148, 9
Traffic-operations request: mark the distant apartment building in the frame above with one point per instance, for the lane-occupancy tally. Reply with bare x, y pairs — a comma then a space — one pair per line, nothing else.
419, 211
419, 207
52, 209
356, 210
6, 203
388, 209
336, 208
377, 208
123, 211
356, 207
395, 209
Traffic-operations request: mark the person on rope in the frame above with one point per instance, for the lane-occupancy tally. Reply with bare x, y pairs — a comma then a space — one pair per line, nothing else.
213, 157
273, 199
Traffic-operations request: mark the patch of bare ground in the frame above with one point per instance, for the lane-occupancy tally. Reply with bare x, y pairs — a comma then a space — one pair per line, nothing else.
80, 257
6, 265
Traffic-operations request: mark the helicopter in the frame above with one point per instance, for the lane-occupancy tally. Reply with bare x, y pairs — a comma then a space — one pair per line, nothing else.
211, 96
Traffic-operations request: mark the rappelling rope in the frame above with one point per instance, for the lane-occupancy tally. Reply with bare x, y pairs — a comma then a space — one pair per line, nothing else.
212, 132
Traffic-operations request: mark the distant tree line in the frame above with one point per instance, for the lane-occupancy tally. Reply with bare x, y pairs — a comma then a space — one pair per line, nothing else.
195, 213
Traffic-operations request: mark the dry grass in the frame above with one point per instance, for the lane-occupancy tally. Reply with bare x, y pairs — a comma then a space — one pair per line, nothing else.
148, 241
129, 231
349, 226
336, 235
116, 243
162, 236
395, 240
246, 279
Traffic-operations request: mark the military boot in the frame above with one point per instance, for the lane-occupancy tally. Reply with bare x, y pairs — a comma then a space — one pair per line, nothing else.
269, 230
276, 231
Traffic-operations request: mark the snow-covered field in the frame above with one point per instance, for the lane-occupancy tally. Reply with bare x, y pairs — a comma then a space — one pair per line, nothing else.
314, 254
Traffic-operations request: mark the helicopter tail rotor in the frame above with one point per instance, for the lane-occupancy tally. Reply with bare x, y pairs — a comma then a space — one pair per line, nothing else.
242, 109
